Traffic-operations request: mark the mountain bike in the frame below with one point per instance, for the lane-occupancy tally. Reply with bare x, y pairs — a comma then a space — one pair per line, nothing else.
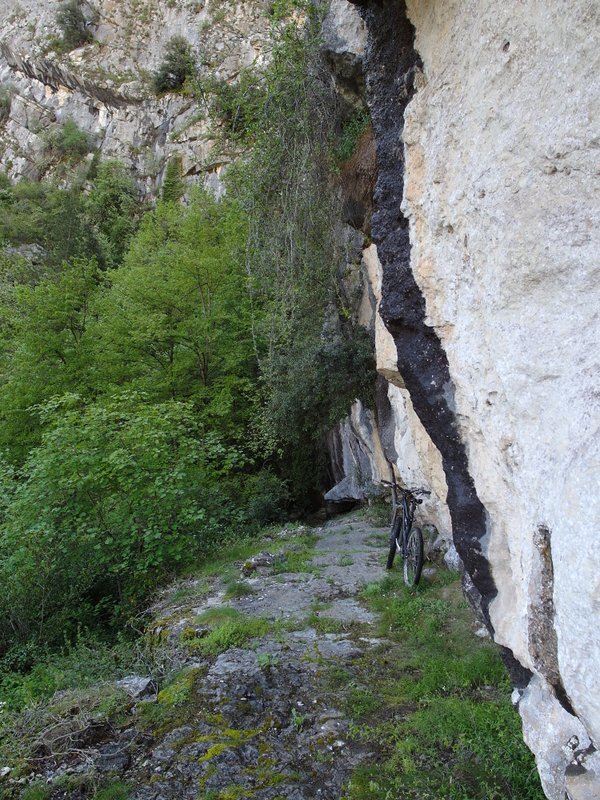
404, 538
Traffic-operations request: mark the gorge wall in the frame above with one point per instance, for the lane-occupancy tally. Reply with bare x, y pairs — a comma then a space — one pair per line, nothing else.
481, 275
105, 85
486, 221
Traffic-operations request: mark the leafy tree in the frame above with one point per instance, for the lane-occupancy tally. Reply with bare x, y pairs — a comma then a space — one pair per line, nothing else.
173, 186
310, 375
53, 218
113, 209
117, 494
177, 66
176, 320
45, 351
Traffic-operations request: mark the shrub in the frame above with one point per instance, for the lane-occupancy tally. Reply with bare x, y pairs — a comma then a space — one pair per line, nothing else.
74, 27
6, 94
113, 209
178, 65
116, 496
68, 143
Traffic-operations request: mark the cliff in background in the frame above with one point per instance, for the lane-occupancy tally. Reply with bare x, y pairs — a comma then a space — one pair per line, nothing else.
105, 86
484, 265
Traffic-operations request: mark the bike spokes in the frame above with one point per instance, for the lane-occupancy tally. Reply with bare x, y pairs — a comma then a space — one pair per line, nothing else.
413, 560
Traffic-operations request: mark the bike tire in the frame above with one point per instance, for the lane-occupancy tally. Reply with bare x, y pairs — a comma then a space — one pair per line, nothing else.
394, 533
413, 560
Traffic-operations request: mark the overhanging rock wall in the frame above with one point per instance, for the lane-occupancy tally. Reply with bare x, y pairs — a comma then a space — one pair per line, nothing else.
502, 159
486, 222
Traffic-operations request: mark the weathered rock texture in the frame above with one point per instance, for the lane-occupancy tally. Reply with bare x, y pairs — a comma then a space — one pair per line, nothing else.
105, 85
486, 222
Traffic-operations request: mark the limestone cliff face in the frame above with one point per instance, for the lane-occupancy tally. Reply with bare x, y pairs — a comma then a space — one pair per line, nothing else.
486, 223
104, 86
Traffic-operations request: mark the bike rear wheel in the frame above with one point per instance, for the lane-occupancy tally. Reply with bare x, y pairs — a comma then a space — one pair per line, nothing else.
413, 559
394, 534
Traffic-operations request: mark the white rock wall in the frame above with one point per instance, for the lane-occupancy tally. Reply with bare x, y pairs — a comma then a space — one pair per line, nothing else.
418, 461
502, 149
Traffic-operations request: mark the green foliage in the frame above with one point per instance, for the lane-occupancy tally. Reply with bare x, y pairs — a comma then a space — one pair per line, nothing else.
73, 25
231, 633
67, 143
6, 95
173, 186
177, 66
352, 130
112, 207
46, 351
53, 218
175, 321
38, 791
237, 107
266, 496
79, 665
118, 493
166, 382
116, 791
314, 362
451, 731
238, 589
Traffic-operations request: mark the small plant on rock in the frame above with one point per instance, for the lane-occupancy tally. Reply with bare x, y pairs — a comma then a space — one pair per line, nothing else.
178, 65
6, 95
68, 143
75, 25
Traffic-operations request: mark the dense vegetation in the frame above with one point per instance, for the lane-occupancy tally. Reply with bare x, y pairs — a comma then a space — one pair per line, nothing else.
167, 372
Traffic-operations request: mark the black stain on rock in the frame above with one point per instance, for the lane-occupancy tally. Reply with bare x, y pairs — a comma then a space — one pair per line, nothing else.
389, 67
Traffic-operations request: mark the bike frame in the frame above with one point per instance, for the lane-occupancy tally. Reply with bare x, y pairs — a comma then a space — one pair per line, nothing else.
407, 509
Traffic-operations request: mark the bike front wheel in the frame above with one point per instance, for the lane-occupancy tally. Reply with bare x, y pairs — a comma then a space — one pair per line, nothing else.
413, 559
394, 534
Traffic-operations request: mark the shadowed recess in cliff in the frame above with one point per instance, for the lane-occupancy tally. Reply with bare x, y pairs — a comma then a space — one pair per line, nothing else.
390, 65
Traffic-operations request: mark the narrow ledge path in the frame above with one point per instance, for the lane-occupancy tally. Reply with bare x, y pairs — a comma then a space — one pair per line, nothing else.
268, 719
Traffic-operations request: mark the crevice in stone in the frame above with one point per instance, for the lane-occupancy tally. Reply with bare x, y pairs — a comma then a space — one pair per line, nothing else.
543, 644
390, 65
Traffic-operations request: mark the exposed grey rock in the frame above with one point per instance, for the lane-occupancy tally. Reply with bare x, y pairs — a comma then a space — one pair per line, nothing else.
112, 758
343, 44
452, 560
137, 687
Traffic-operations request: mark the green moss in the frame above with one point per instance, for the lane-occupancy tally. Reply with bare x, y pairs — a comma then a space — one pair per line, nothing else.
180, 688
219, 615
231, 633
116, 791
214, 751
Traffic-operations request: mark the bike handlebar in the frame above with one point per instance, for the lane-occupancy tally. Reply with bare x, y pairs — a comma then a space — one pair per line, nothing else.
411, 492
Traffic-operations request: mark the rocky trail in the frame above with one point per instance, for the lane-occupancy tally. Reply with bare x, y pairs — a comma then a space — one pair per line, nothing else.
287, 670
268, 720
